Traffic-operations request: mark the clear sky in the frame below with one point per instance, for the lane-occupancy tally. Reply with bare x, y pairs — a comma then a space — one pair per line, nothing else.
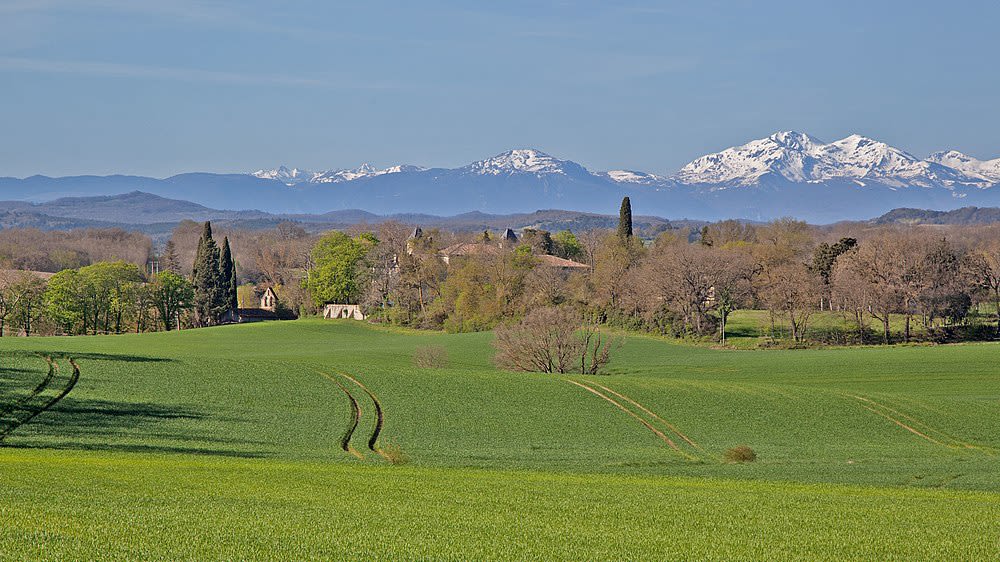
160, 87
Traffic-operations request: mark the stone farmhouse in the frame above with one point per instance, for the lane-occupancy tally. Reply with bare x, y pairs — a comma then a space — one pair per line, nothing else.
507, 240
268, 310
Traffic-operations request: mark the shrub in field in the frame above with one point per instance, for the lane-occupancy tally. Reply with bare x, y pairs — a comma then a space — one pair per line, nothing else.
430, 357
740, 454
393, 453
552, 340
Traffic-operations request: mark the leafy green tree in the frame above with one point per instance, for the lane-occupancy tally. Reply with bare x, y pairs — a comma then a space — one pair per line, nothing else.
625, 220
65, 303
172, 295
228, 276
566, 245
336, 258
107, 288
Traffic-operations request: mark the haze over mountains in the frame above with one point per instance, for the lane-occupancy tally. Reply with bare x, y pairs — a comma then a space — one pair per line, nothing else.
785, 174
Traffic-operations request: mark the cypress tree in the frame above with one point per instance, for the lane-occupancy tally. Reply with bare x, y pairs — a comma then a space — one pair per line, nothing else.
227, 270
208, 292
625, 220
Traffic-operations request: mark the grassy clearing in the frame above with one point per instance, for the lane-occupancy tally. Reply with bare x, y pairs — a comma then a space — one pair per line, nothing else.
252, 416
78, 505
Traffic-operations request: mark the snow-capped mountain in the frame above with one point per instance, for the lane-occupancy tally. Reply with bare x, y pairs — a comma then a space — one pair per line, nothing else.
295, 176
524, 161
784, 174
633, 177
987, 170
287, 176
799, 158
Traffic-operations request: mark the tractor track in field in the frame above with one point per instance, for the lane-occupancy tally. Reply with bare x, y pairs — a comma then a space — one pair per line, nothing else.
356, 413
917, 427
662, 436
30, 413
21, 402
345, 440
653, 415
379, 414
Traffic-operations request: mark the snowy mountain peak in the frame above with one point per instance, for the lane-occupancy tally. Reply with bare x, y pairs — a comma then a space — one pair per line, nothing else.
988, 170
798, 157
523, 160
294, 176
284, 174
633, 177
794, 140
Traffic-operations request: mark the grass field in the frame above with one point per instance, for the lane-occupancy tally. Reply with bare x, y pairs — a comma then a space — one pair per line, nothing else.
227, 443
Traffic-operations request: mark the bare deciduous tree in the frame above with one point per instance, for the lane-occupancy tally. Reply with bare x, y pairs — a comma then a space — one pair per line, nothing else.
552, 340
793, 291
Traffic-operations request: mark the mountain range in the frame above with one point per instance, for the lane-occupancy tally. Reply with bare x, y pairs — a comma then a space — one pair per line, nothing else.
158, 216
784, 174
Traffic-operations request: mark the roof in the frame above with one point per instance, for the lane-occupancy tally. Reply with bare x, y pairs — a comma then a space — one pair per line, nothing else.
470, 249
480, 249
556, 261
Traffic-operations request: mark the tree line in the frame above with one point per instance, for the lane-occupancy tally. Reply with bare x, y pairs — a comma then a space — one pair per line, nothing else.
887, 283
119, 296
892, 283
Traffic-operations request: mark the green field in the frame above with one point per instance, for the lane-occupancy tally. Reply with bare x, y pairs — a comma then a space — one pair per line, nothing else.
226, 443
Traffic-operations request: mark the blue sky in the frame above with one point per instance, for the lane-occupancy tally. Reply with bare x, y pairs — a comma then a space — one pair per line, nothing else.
156, 88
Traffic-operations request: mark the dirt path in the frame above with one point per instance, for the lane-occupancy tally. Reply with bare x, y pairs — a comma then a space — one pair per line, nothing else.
345, 440
652, 414
663, 437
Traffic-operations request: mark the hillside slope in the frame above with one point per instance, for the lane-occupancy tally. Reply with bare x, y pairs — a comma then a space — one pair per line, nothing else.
265, 390
221, 443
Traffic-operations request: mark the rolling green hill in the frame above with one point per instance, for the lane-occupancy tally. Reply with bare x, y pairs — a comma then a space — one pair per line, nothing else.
219, 442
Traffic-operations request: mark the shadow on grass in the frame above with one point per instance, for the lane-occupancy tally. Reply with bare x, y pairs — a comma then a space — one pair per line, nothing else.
124, 357
742, 332
15, 381
134, 448
98, 424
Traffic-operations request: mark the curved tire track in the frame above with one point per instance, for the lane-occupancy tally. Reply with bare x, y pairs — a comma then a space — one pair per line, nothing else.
24, 400
379, 413
345, 439
33, 413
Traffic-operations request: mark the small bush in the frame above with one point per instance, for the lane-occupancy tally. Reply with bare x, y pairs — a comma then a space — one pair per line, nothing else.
740, 454
393, 453
431, 357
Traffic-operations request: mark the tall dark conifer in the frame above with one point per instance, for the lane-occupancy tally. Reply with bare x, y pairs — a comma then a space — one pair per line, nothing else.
208, 293
625, 220
227, 270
